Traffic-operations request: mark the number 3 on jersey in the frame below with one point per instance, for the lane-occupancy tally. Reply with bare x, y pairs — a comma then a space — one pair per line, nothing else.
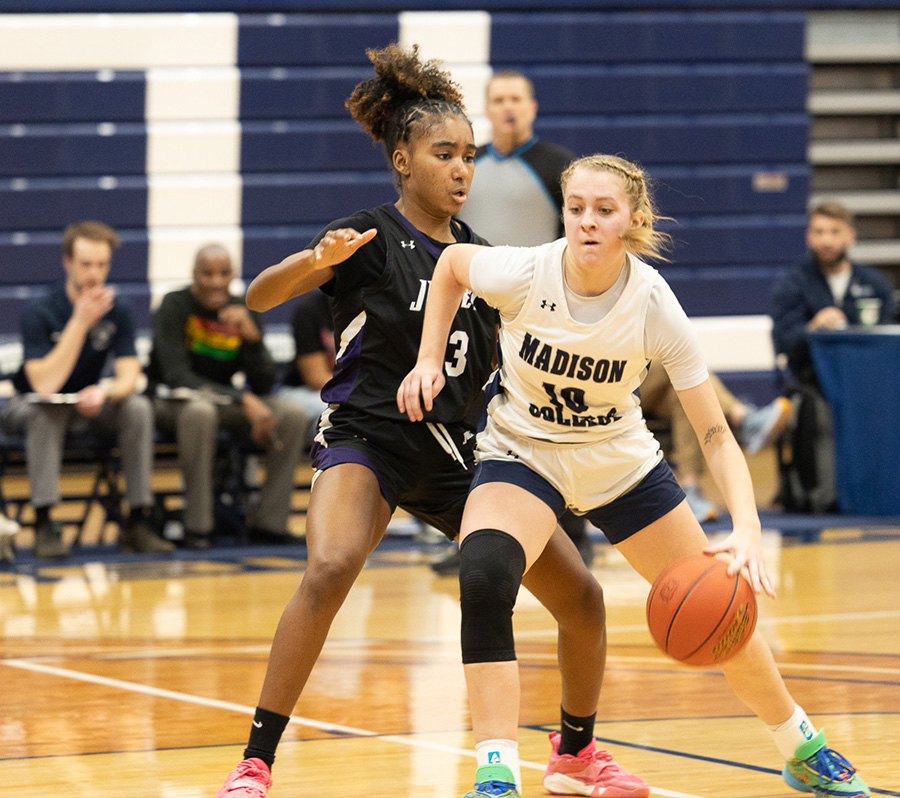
457, 346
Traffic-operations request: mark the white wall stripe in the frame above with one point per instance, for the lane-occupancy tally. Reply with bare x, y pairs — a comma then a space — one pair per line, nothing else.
116, 41
455, 37
462, 41
736, 343
172, 251
192, 93
194, 200
196, 146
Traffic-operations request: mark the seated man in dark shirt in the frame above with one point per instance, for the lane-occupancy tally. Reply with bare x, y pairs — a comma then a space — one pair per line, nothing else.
205, 343
68, 337
826, 291
314, 350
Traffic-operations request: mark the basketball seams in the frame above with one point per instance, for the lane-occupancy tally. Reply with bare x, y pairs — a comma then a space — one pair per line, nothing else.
725, 612
687, 594
725, 617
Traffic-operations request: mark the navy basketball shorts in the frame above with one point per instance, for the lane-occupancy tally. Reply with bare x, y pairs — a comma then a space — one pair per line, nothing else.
613, 484
424, 467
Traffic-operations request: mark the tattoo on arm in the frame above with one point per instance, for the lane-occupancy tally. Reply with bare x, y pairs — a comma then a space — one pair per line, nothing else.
712, 431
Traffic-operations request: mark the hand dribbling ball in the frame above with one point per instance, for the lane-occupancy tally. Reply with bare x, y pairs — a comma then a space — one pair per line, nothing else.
698, 614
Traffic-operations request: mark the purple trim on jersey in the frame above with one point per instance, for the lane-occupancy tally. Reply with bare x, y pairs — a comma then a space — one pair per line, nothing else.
492, 388
434, 250
346, 371
324, 457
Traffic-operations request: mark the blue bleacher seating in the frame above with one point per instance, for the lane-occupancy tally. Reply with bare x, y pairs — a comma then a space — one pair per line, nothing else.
646, 37
264, 246
73, 149
298, 92
312, 198
64, 97
728, 189
707, 100
308, 146
312, 39
735, 240
669, 88
51, 203
722, 290
685, 139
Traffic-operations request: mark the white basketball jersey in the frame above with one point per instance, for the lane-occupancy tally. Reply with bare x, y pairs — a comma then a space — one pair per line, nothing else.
565, 381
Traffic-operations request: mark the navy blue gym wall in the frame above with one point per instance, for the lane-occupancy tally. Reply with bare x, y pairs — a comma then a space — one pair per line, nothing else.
712, 103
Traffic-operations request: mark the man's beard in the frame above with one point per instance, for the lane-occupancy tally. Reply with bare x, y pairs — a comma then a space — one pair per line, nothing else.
832, 262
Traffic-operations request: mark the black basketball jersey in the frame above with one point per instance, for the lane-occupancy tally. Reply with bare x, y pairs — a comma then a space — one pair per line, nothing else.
378, 301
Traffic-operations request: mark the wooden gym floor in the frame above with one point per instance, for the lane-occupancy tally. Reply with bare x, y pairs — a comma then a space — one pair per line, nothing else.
134, 676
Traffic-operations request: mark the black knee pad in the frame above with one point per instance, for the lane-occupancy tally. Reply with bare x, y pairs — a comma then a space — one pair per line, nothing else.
491, 565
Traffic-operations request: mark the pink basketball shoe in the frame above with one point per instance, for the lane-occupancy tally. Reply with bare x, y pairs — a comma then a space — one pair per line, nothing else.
250, 779
593, 773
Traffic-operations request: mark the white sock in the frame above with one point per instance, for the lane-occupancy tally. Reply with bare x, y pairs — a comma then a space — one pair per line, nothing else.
791, 734
500, 752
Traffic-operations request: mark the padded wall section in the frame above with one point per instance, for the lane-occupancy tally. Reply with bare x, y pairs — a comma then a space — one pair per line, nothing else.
130, 119
179, 129
304, 161
319, 40
713, 104
97, 96
645, 37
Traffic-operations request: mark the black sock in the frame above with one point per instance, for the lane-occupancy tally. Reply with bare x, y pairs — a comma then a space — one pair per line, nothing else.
41, 515
140, 514
265, 734
575, 733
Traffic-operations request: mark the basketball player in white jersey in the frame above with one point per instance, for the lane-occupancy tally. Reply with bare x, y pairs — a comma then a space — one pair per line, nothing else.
581, 319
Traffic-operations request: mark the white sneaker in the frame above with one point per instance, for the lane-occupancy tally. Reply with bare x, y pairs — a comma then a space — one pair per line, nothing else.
8, 527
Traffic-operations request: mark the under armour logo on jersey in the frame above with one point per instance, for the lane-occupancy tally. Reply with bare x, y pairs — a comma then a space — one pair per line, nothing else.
546, 304
408, 244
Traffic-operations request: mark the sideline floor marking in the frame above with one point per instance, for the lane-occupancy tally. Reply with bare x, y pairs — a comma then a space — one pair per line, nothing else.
157, 692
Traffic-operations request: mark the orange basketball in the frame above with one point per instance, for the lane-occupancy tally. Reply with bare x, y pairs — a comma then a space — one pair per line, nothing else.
698, 614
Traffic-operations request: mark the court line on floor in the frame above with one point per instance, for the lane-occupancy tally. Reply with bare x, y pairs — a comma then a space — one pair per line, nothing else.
219, 651
243, 709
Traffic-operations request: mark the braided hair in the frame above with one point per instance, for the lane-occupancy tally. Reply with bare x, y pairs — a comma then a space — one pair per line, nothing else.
643, 241
404, 100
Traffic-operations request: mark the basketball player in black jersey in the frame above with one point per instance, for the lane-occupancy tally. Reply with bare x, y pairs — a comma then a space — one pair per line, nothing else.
376, 266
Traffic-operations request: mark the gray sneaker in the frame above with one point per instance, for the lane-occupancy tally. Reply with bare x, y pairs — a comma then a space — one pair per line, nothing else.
48, 542
761, 426
702, 508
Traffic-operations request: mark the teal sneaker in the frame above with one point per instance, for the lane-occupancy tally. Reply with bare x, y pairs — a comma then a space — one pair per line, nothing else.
819, 769
494, 781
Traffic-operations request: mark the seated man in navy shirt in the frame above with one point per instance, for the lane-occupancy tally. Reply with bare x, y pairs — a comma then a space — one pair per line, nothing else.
827, 291
68, 337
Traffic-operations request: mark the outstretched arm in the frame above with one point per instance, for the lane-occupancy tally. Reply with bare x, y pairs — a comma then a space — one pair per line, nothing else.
729, 469
303, 271
448, 286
